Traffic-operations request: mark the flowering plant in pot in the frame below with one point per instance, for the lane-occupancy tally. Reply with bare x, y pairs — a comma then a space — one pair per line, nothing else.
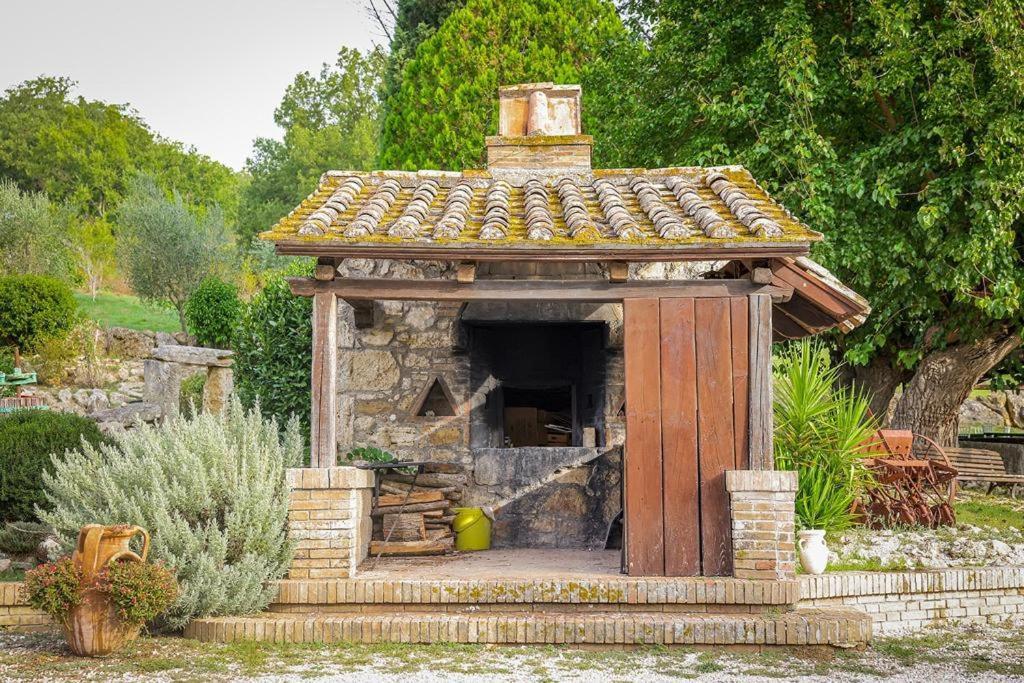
102, 612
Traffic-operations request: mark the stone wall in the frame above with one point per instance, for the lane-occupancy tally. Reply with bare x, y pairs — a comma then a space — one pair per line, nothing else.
996, 409
389, 355
900, 602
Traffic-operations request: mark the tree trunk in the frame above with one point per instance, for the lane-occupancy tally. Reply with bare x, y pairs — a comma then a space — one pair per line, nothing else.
879, 379
931, 401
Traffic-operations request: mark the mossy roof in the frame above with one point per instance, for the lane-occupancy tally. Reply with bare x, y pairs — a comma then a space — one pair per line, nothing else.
692, 209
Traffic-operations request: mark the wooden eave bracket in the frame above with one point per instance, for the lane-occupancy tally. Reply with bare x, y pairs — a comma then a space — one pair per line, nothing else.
618, 271
465, 272
326, 268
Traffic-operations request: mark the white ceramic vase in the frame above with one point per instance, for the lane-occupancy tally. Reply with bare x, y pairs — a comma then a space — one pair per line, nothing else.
813, 551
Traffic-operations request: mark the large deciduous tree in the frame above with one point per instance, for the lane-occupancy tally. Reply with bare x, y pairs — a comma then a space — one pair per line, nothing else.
447, 100
894, 126
85, 152
166, 248
330, 121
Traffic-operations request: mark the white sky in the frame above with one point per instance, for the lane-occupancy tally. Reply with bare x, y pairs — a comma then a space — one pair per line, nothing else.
208, 73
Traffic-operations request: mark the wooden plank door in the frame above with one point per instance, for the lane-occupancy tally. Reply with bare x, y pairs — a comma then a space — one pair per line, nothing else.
687, 417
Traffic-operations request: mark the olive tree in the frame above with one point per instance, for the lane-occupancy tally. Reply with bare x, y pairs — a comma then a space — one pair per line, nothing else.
165, 248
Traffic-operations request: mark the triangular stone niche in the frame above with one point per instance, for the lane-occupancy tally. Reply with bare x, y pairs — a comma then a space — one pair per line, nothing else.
435, 400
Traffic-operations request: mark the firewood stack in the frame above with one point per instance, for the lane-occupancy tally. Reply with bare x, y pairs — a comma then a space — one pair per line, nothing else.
424, 525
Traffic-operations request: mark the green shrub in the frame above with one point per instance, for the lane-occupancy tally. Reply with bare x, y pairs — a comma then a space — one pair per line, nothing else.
33, 309
27, 440
21, 538
273, 353
819, 431
211, 312
370, 454
55, 588
212, 491
190, 400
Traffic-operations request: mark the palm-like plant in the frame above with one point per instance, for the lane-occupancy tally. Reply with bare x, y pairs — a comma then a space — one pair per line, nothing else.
820, 429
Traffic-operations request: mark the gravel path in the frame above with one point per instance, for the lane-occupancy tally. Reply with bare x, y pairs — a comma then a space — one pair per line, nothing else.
939, 655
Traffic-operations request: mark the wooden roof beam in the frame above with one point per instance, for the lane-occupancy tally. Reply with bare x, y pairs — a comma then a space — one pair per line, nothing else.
587, 291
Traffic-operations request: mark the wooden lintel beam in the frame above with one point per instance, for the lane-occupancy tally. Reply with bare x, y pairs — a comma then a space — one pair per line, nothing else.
528, 290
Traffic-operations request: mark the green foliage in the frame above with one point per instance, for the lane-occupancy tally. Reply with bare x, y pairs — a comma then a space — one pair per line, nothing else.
447, 100
32, 234
190, 400
139, 591
273, 351
84, 152
34, 308
330, 121
819, 431
415, 21
212, 311
55, 588
212, 491
22, 538
893, 126
166, 249
94, 251
370, 454
29, 442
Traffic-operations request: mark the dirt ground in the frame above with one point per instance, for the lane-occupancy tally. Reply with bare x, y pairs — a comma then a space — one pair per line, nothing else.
993, 653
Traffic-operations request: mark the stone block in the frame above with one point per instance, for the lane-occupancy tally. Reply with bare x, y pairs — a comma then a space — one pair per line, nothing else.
760, 481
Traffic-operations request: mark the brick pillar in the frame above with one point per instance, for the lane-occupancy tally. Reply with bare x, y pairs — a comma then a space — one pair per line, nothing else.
763, 543
329, 520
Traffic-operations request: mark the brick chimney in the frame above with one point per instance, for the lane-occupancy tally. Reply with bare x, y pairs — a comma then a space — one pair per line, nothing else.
539, 127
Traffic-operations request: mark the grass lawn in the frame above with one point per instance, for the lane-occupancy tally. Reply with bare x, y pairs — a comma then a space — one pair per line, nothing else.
125, 310
991, 653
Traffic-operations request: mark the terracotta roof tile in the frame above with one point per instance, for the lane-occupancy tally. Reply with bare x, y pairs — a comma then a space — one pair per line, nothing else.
656, 208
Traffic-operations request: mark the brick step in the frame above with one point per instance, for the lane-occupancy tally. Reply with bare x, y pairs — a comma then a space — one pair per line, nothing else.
685, 593
839, 627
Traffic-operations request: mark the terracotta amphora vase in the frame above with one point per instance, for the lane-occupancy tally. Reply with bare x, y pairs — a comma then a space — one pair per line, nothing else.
94, 628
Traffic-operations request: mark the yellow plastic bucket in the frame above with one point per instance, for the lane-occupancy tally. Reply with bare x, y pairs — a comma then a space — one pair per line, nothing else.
472, 529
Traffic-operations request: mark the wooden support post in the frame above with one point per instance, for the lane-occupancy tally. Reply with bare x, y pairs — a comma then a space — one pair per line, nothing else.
618, 271
323, 440
760, 387
326, 268
465, 273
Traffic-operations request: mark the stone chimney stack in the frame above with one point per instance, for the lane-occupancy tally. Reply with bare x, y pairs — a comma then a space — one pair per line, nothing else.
539, 127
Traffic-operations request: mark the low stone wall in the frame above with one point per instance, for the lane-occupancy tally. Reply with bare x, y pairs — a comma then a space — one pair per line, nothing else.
15, 614
900, 602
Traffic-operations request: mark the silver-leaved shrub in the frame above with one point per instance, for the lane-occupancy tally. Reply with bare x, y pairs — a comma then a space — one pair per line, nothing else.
211, 491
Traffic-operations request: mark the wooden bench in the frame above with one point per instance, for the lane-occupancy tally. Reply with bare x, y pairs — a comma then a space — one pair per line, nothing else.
978, 464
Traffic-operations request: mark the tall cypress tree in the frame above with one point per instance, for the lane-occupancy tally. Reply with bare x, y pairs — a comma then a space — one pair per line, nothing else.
447, 100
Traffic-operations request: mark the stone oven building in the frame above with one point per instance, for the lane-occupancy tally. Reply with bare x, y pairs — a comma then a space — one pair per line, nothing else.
592, 349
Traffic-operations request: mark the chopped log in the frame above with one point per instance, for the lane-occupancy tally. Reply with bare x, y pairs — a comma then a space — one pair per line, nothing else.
391, 488
404, 527
433, 513
417, 507
433, 521
409, 548
439, 534
414, 497
443, 468
430, 480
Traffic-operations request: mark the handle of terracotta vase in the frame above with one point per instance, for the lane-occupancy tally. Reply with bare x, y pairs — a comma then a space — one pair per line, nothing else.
145, 541
123, 555
88, 547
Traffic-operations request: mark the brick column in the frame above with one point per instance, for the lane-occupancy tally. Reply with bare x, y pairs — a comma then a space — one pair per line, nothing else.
763, 543
329, 520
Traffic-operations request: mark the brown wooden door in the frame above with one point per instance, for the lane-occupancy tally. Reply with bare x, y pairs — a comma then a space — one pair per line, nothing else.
686, 424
